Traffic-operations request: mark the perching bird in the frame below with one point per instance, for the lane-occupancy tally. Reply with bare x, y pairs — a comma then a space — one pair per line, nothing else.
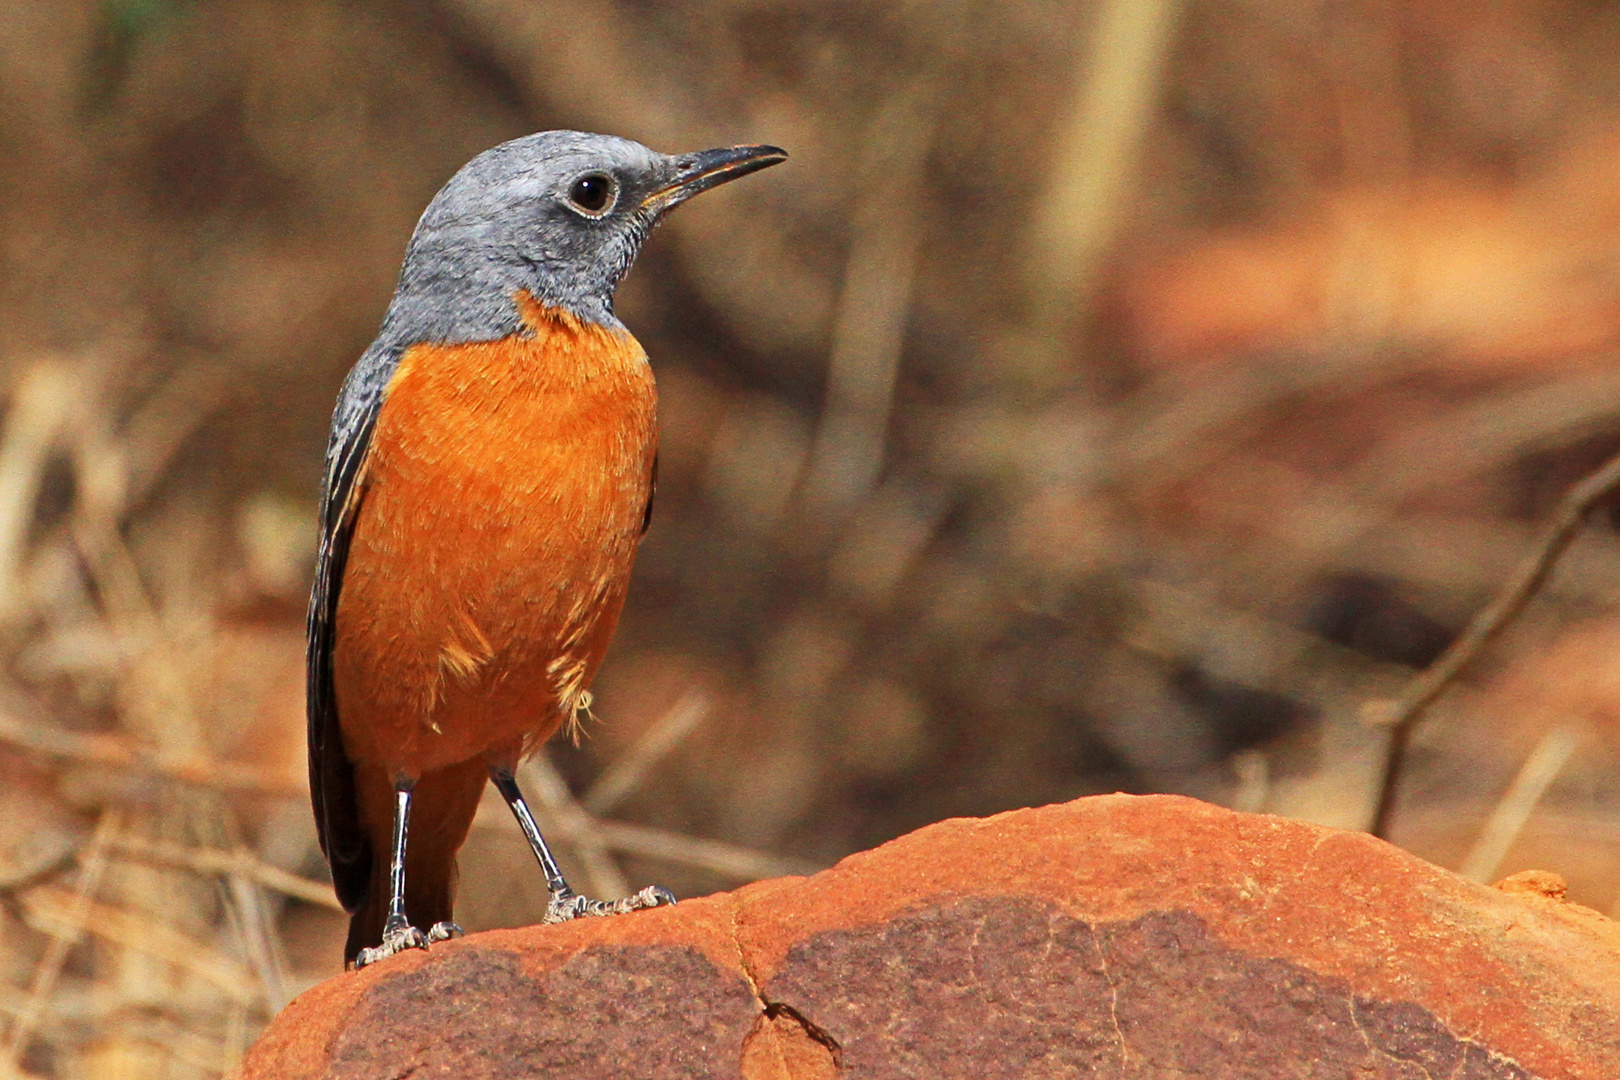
488, 479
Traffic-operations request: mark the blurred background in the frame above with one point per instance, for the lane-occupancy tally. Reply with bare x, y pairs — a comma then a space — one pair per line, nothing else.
1114, 395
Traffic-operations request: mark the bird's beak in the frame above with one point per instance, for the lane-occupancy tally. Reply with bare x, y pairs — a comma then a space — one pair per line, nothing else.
711, 168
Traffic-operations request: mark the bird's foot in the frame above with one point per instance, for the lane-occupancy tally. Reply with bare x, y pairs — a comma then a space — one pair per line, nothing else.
398, 938
570, 905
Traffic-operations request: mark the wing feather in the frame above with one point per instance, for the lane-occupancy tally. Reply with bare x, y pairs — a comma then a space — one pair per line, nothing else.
331, 773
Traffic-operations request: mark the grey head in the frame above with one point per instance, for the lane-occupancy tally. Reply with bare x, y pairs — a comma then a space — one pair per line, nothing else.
560, 214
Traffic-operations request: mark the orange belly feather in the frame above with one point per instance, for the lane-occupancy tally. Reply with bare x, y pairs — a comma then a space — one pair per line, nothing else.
504, 495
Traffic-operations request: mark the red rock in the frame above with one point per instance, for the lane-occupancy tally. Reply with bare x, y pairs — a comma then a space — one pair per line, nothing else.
1117, 936
1536, 883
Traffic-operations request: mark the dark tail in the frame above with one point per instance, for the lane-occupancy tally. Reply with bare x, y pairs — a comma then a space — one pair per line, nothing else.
366, 922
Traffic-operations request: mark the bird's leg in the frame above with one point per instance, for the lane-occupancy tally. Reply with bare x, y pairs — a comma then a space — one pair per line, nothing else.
564, 903
398, 933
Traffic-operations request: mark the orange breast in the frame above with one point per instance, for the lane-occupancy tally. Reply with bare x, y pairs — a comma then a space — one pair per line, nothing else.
503, 499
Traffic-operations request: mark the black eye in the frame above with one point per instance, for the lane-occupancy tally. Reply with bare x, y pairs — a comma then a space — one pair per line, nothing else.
592, 193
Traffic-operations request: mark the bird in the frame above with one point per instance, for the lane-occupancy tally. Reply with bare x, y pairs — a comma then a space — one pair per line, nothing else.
489, 477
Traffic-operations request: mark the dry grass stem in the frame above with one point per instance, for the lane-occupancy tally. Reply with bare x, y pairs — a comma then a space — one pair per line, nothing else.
846, 458
1547, 759
253, 922
44, 399
163, 712
1117, 92
728, 860
1253, 769
65, 915
732, 861
620, 779
207, 1055
117, 751
156, 433
77, 905
579, 827
1468, 440
1174, 625
229, 864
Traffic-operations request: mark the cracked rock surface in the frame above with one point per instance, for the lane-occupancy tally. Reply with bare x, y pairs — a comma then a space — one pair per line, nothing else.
1116, 936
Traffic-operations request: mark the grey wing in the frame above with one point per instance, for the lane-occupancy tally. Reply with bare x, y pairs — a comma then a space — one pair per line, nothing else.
331, 773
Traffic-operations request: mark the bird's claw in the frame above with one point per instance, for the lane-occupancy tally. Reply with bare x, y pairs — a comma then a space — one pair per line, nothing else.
564, 907
444, 931
396, 939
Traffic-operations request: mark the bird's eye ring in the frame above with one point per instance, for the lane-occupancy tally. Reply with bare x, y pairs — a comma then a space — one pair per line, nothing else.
593, 194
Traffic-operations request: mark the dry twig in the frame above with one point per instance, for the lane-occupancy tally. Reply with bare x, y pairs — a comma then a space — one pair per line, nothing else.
1528, 577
